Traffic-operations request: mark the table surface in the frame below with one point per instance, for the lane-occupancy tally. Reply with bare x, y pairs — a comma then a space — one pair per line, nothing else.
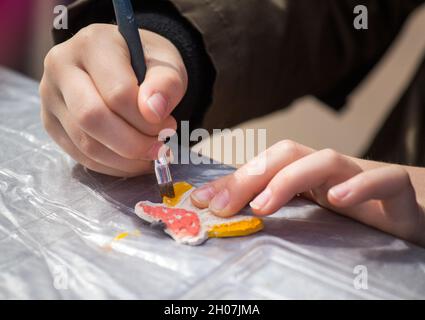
58, 222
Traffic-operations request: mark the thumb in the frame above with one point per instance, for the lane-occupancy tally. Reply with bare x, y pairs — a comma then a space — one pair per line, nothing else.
162, 90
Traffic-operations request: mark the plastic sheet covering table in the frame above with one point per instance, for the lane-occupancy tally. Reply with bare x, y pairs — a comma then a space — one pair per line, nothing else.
58, 222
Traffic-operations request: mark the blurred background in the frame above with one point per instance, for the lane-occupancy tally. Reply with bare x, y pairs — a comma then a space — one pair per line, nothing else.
25, 38
350, 131
25, 34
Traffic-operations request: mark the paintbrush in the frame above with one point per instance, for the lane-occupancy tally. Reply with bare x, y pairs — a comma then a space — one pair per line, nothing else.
163, 177
129, 29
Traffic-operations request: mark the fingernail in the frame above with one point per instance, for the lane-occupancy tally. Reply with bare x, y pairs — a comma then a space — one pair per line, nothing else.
203, 194
153, 152
158, 104
340, 192
220, 201
261, 200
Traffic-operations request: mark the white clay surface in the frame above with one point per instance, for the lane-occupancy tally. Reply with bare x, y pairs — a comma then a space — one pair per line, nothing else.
207, 219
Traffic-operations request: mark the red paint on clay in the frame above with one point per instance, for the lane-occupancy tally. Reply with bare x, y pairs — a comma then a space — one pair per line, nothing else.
180, 221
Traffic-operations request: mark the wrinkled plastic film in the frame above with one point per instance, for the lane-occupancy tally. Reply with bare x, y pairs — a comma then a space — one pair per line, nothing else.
66, 232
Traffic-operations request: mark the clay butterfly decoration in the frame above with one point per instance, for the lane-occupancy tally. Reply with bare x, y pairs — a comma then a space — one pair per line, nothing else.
187, 224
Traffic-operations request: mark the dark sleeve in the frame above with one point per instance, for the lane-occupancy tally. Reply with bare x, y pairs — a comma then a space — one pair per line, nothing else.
162, 18
267, 53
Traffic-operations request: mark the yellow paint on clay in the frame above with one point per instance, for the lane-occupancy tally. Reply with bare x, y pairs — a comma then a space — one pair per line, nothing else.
225, 230
180, 188
236, 229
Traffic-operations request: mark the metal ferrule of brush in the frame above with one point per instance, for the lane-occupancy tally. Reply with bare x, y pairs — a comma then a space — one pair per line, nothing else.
163, 176
162, 171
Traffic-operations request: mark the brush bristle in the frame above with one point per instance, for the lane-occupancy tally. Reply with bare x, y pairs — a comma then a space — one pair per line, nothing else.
167, 190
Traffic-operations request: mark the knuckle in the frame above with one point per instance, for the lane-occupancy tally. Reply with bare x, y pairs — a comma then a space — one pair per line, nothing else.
53, 57
287, 146
120, 95
89, 35
90, 117
331, 156
87, 145
86, 34
238, 179
361, 181
402, 175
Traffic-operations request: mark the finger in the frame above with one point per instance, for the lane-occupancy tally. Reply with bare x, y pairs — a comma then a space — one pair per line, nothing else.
96, 156
202, 196
166, 79
320, 170
91, 114
230, 194
118, 84
94, 150
387, 198
58, 134
390, 183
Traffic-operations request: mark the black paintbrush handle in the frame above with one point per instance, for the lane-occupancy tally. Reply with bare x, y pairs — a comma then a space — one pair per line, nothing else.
127, 26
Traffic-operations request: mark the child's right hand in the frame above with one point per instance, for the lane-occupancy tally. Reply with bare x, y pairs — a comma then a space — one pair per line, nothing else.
93, 108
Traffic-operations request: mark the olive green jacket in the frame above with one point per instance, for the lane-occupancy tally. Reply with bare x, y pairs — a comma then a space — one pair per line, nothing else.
267, 53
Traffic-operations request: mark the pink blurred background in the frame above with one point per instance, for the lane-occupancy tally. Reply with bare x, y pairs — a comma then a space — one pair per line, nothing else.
25, 33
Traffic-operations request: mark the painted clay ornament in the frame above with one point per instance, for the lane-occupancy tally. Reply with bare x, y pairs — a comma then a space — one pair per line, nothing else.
187, 224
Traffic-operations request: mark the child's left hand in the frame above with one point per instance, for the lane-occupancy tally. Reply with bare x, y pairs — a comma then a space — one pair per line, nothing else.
382, 197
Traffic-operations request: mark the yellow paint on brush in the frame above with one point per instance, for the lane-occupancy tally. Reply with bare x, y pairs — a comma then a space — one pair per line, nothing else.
180, 188
236, 229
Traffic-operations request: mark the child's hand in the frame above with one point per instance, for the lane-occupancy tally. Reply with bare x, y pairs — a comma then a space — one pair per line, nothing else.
93, 107
383, 197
